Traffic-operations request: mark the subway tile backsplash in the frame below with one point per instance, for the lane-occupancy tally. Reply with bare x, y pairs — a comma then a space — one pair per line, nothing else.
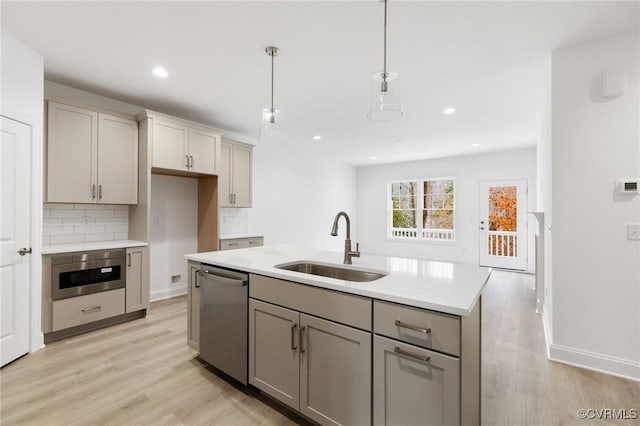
233, 220
77, 223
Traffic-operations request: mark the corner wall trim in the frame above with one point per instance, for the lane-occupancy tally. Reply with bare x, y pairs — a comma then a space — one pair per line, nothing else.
597, 362
547, 335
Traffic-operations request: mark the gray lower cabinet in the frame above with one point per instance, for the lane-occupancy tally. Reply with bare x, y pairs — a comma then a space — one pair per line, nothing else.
137, 295
318, 367
193, 308
414, 386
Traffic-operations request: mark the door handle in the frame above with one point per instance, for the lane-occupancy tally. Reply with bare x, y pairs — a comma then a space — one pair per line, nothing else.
293, 337
93, 192
24, 251
187, 158
191, 159
302, 349
129, 259
100, 192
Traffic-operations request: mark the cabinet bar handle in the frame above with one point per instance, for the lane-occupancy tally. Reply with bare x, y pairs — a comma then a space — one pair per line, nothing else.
302, 349
187, 158
417, 357
92, 308
100, 192
293, 337
401, 324
93, 192
196, 284
129, 259
191, 158
230, 198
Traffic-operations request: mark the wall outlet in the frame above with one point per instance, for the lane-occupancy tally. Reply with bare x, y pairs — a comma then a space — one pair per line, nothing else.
175, 279
633, 231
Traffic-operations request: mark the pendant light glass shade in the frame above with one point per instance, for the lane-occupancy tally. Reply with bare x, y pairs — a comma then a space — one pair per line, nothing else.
385, 102
270, 126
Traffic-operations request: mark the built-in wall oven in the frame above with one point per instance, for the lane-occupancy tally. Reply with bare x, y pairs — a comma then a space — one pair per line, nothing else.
76, 274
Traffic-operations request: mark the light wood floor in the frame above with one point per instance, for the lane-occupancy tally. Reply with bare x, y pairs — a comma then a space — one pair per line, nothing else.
142, 372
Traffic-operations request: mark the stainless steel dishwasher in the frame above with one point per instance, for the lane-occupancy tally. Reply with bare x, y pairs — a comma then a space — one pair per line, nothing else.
224, 300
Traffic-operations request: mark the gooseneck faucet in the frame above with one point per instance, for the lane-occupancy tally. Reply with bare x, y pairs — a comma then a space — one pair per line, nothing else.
348, 253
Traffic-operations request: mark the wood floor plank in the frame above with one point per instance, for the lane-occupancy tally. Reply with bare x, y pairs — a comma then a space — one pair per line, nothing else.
143, 373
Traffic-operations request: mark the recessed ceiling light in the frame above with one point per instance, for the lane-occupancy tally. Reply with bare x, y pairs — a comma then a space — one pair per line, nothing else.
160, 72
316, 137
449, 111
372, 158
473, 145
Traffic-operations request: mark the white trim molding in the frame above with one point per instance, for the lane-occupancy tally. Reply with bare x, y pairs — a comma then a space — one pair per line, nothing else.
168, 293
596, 362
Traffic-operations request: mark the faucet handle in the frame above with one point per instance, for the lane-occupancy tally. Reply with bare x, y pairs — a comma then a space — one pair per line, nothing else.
357, 252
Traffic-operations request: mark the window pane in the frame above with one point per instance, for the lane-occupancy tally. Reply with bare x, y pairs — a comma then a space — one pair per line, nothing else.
403, 202
503, 211
404, 188
437, 219
404, 218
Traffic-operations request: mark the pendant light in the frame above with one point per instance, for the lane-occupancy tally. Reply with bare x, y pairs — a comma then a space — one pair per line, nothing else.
385, 103
270, 129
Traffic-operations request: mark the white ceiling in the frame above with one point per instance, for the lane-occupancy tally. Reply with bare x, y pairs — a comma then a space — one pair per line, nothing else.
490, 60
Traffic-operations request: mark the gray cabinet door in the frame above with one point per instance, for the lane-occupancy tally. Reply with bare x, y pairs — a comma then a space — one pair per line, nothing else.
193, 324
137, 296
117, 160
335, 373
409, 390
273, 351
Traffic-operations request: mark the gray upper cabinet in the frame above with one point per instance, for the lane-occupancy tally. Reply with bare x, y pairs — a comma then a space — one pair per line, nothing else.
234, 180
92, 157
182, 148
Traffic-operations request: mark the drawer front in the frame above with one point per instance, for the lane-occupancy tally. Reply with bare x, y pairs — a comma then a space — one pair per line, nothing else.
332, 305
84, 309
414, 386
399, 322
237, 243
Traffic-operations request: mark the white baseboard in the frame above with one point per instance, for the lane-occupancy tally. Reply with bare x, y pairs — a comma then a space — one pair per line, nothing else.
167, 293
597, 362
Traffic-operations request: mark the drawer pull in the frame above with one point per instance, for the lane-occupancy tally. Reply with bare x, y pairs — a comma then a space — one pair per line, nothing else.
293, 337
401, 324
93, 308
421, 358
233, 244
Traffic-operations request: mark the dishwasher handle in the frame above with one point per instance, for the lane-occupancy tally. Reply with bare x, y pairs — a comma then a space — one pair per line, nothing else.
205, 273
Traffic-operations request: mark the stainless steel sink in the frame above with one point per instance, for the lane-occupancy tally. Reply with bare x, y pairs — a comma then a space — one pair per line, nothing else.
332, 271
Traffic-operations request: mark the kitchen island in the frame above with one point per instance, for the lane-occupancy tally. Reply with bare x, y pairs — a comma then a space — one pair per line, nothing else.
401, 349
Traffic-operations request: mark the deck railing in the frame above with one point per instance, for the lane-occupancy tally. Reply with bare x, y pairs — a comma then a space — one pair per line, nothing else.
503, 243
427, 234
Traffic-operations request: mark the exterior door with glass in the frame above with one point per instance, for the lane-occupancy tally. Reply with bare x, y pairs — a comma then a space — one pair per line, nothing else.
503, 224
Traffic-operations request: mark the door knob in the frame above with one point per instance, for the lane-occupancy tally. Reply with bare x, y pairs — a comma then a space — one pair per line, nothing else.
481, 228
24, 251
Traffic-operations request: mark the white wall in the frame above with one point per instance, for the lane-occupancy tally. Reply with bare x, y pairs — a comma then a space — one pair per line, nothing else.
174, 227
596, 270
468, 171
296, 196
22, 95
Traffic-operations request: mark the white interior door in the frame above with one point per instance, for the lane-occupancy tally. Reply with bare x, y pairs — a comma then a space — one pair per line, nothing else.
503, 224
15, 235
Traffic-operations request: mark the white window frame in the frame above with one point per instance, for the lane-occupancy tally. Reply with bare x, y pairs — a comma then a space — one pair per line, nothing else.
419, 211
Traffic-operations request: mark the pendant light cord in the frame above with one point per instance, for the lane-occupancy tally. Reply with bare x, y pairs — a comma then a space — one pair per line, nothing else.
384, 65
272, 60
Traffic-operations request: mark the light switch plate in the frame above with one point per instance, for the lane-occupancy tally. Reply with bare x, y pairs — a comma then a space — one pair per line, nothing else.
633, 231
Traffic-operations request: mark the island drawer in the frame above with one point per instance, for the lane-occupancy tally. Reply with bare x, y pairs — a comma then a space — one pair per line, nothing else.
340, 307
421, 327
89, 308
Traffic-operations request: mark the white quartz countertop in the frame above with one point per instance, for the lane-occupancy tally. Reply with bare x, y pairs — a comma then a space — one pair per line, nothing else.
97, 245
239, 235
453, 288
